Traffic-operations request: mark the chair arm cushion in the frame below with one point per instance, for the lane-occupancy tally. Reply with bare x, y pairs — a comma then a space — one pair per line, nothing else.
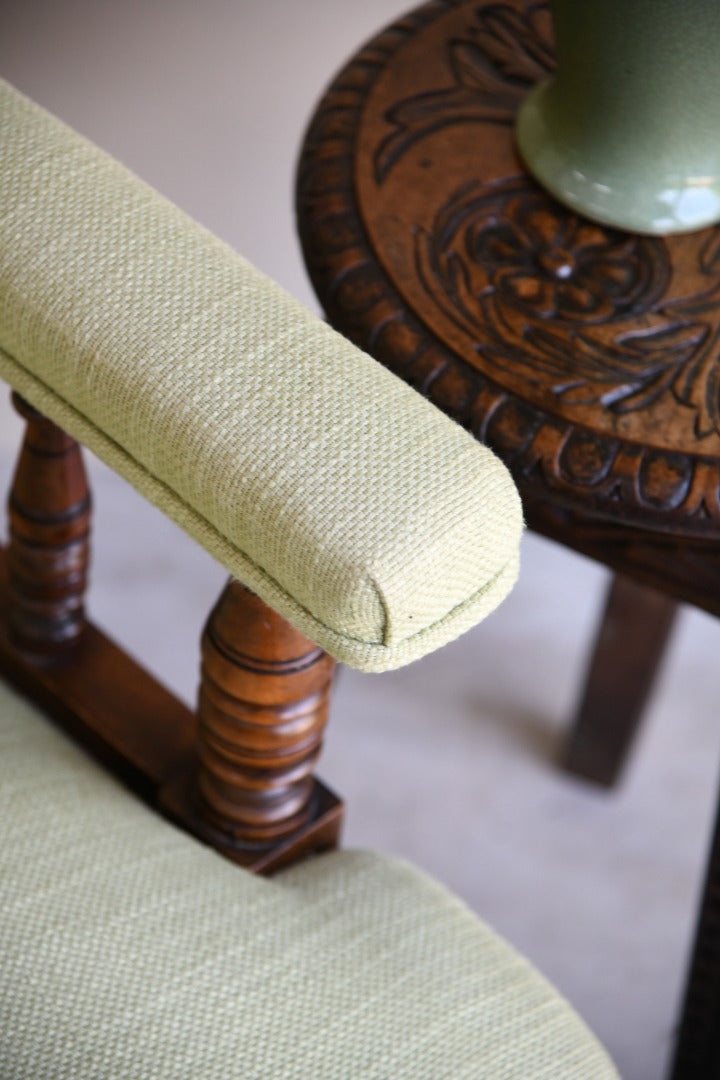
352, 506
129, 950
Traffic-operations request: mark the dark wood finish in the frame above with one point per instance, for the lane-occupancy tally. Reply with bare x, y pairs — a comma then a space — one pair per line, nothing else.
47, 647
697, 1055
139, 730
685, 569
588, 358
320, 832
262, 711
49, 538
106, 700
620, 679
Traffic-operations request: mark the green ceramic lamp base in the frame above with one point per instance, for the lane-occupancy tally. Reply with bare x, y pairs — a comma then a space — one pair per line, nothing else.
627, 188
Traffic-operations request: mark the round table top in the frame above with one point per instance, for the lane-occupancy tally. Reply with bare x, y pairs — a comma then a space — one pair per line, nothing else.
585, 356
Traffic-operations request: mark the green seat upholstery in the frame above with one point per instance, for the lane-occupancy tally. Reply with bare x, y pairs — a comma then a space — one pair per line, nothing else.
130, 951
353, 507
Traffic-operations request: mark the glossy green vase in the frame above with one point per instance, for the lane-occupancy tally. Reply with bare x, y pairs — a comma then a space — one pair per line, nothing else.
628, 130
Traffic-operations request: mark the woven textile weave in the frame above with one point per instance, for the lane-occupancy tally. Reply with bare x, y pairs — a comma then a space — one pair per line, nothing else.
352, 506
129, 951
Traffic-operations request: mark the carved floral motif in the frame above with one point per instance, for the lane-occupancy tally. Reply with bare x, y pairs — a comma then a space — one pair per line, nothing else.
551, 265
539, 288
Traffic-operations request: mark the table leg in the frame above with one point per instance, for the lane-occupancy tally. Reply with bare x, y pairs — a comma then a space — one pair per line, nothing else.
628, 651
697, 1054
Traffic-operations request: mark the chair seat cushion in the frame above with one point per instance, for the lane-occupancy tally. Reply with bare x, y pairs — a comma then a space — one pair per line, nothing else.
129, 950
351, 505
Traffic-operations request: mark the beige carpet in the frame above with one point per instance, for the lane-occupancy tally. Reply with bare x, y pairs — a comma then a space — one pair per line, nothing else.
449, 762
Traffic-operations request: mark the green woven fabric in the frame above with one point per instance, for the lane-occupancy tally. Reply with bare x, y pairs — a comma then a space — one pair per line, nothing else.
352, 506
129, 951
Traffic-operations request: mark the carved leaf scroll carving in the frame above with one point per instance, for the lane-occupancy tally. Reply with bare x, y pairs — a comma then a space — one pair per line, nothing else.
503, 53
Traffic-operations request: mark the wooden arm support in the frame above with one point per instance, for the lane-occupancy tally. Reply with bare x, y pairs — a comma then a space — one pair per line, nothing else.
262, 709
239, 775
49, 538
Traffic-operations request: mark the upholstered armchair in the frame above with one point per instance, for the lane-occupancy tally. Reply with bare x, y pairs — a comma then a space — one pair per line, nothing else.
364, 526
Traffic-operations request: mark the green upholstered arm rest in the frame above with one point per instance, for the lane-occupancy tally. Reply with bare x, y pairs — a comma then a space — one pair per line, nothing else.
351, 505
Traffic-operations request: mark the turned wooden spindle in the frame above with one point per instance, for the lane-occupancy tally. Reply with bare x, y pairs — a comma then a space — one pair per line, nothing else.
262, 710
48, 547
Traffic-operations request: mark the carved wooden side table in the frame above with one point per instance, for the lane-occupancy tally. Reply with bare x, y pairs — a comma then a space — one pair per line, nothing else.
586, 357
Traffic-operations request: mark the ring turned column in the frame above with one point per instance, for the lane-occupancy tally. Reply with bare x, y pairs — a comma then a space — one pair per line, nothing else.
262, 710
48, 550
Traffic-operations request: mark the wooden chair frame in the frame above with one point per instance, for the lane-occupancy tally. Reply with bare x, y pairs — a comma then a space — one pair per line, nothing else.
238, 773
